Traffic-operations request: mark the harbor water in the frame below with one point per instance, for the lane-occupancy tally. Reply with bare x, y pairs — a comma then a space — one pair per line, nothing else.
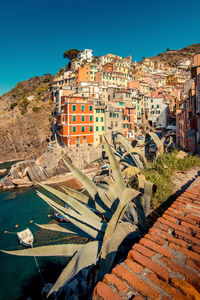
19, 277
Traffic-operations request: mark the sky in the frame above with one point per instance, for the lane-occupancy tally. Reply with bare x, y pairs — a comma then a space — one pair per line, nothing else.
35, 34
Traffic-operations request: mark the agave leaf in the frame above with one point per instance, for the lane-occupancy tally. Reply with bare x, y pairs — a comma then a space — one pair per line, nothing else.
94, 233
141, 181
56, 227
138, 151
75, 194
148, 187
53, 250
128, 147
121, 232
86, 182
69, 228
85, 257
80, 208
115, 168
157, 141
69, 214
127, 196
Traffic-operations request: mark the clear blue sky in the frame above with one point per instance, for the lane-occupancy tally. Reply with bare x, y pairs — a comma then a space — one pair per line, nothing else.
35, 34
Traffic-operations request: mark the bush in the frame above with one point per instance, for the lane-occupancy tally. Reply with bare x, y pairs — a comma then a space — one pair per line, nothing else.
12, 105
161, 171
35, 109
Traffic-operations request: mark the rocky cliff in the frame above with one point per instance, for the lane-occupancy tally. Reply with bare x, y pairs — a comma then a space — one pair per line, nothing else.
25, 119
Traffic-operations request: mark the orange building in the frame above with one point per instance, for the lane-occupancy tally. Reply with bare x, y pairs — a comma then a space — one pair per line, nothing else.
76, 121
108, 67
127, 121
82, 74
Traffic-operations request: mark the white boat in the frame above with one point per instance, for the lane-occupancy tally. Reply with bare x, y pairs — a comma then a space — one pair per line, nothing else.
26, 237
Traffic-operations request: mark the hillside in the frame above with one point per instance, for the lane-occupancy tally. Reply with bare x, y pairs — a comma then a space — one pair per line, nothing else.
25, 118
174, 57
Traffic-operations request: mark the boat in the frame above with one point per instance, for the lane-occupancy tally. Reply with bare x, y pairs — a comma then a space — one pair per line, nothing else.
57, 216
26, 237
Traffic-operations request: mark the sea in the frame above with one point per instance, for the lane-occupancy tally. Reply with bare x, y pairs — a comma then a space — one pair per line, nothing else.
19, 276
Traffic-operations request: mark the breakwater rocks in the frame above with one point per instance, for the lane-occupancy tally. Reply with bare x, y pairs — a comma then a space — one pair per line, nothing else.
50, 167
3, 172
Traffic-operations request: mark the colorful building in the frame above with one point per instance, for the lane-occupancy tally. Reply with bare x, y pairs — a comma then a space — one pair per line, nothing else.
76, 121
99, 125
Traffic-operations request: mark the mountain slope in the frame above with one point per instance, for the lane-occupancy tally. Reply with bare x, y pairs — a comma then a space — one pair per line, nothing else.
25, 119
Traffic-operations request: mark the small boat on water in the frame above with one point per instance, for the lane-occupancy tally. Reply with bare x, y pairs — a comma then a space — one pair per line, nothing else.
57, 216
26, 237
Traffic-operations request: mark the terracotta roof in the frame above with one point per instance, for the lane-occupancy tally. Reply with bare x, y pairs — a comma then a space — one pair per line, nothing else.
165, 264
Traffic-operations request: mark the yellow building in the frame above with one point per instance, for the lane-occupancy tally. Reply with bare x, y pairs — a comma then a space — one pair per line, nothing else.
99, 125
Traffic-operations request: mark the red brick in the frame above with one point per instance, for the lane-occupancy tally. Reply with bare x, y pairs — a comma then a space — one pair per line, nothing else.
137, 297
179, 217
182, 208
193, 264
197, 236
193, 227
145, 251
161, 226
186, 237
166, 298
105, 292
192, 277
196, 249
173, 225
155, 239
146, 262
133, 266
156, 247
193, 217
139, 285
187, 252
111, 279
166, 287
186, 288
168, 237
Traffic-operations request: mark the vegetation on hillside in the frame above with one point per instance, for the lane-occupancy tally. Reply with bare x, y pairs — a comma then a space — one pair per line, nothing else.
161, 171
174, 57
27, 93
71, 54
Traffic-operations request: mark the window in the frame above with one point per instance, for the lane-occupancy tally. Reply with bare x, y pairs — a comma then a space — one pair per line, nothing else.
82, 118
110, 114
97, 119
152, 106
74, 129
82, 107
73, 107
151, 100
84, 98
157, 105
91, 128
102, 128
97, 128
82, 128
91, 118
90, 108
73, 118
101, 119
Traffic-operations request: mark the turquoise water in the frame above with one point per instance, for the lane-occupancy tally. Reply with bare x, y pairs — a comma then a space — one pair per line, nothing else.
19, 277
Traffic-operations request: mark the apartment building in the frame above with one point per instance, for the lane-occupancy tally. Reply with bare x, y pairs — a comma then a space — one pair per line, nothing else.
76, 121
87, 55
99, 125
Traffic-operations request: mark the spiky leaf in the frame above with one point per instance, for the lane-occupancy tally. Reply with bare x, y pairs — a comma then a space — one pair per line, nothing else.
85, 257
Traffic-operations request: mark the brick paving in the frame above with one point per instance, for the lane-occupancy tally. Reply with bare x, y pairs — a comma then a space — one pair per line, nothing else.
165, 264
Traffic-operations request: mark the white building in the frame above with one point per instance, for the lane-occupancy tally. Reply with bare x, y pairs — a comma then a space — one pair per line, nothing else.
87, 54
158, 112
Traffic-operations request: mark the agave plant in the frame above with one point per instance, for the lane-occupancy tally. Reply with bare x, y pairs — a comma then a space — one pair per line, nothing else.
106, 217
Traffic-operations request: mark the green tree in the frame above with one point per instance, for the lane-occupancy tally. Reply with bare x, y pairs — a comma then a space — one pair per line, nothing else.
70, 54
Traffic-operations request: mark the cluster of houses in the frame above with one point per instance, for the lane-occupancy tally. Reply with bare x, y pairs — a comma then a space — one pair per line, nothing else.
188, 111
103, 95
